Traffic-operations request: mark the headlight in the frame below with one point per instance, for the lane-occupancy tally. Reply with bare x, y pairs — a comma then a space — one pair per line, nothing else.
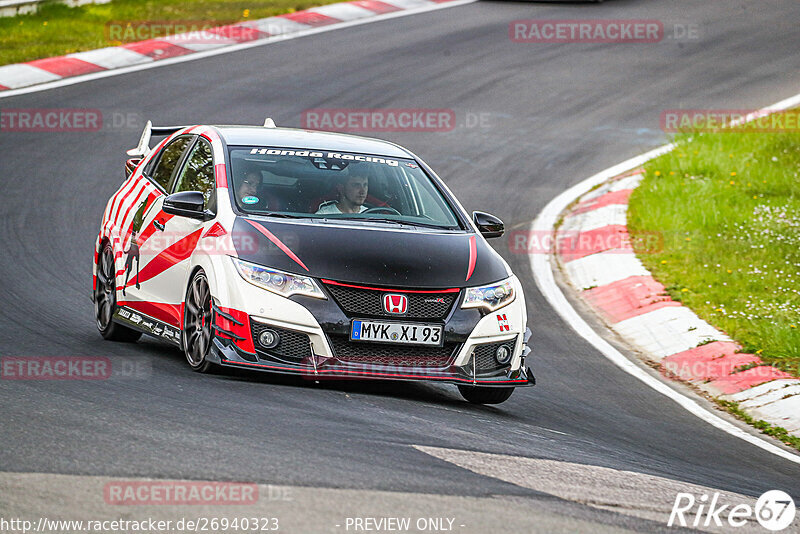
490, 297
279, 282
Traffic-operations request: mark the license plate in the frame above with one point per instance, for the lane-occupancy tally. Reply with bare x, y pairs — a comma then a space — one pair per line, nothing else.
401, 333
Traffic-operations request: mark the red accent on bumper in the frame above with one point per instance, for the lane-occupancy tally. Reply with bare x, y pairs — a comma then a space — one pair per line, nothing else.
368, 374
451, 290
242, 330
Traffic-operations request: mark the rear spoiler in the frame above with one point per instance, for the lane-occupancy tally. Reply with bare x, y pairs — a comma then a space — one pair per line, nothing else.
143, 147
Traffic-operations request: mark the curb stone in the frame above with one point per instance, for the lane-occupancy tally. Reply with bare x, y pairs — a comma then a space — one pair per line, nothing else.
612, 280
19, 75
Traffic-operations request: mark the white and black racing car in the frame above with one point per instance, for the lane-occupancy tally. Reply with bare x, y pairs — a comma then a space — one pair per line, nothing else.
311, 253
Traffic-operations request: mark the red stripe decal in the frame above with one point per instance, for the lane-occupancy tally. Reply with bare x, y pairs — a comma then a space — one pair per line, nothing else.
277, 242
331, 282
152, 196
137, 201
143, 237
151, 228
175, 253
117, 199
210, 134
473, 257
111, 223
221, 175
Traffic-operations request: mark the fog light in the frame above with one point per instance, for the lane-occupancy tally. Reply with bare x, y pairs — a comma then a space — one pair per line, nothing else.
502, 355
269, 339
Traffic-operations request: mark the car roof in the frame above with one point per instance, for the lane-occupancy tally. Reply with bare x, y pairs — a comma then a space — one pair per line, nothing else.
310, 139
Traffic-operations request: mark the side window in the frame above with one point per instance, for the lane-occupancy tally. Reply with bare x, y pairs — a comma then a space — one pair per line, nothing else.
197, 174
169, 158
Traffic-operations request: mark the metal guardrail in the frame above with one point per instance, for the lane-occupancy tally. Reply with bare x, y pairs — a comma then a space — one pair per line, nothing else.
9, 8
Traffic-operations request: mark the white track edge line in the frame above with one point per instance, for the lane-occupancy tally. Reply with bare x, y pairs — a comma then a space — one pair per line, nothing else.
72, 80
542, 267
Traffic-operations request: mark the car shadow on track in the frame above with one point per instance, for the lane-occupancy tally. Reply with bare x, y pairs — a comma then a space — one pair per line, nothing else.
438, 395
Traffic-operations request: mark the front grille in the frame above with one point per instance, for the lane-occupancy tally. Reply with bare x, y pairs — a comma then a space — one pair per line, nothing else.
369, 302
294, 346
484, 355
393, 355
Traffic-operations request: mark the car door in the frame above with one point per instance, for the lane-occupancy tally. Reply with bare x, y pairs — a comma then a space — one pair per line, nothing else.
146, 238
168, 271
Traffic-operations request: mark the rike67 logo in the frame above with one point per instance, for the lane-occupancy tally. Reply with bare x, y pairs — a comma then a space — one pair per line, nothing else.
774, 510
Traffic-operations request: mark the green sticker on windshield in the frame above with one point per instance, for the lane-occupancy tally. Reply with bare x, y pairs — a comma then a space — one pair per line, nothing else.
250, 200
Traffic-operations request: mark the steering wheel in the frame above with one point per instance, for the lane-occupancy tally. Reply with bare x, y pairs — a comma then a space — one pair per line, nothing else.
382, 209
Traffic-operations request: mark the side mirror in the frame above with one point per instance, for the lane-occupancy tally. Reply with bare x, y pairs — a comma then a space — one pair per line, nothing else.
130, 166
488, 225
187, 204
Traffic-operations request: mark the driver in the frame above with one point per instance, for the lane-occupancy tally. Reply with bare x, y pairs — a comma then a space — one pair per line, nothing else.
352, 192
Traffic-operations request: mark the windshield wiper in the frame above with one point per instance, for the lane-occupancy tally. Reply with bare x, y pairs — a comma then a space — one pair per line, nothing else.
279, 214
407, 223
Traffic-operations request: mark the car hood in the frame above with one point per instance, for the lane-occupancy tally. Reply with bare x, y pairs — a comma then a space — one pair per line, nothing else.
374, 256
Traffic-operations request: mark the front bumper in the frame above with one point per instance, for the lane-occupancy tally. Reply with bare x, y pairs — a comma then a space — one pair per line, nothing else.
315, 341
319, 368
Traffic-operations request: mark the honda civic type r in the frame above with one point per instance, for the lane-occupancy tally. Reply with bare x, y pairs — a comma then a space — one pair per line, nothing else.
311, 253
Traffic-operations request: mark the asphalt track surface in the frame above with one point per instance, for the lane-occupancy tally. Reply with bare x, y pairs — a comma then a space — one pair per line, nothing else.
553, 114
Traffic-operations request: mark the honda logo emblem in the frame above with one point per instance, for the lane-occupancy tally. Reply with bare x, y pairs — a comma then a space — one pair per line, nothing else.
395, 303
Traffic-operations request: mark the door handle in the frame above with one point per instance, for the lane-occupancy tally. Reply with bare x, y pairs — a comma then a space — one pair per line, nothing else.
158, 224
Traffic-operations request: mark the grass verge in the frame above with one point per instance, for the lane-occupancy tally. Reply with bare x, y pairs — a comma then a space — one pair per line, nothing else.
728, 206
57, 29
776, 432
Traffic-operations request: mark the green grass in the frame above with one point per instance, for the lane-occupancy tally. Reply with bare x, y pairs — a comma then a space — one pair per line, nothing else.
57, 29
728, 205
776, 432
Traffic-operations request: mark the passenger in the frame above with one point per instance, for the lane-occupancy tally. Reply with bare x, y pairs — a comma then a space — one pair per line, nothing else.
249, 186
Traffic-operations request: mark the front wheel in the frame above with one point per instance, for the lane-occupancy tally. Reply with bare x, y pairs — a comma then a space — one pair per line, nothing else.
483, 395
198, 319
105, 300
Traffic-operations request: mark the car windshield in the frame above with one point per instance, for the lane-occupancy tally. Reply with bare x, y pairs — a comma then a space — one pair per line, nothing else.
334, 185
